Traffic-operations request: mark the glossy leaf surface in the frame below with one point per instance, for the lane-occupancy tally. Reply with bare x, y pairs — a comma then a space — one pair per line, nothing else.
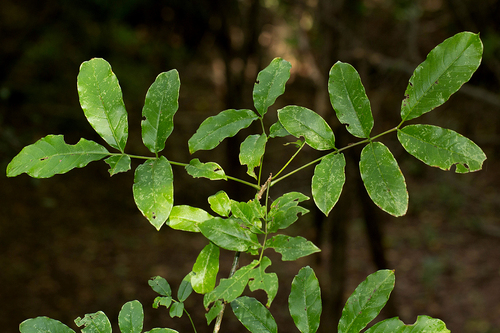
96, 322
131, 317
383, 179
43, 325
118, 163
51, 155
328, 181
215, 129
229, 234
270, 84
264, 281
349, 100
187, 218
366, 301
304, 301
160, 285
210, 170
102, 102
253, 315
447, 67
205, 269
424, 324
220, 203
251, 151
154, 190
300, 121
442, 148
291, 248
159, 109
284, 211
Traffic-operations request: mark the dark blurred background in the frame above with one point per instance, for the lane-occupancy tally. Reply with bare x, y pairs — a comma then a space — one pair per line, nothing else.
76, 243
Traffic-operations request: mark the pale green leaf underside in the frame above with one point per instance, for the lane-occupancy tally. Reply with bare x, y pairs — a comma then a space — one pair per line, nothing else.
118, 163
51, 155
304, 302
447, 67
154, 190
228, 234
205, 269
96, 322
131, 317
291, 248
187, 218
215, 129
43, 325
102, 102
424, 324
251, 151
270, 84
159, 109
349, 100
300, 121
383, 179
210, 170
220, 203
328, 181
366, 301
253, 315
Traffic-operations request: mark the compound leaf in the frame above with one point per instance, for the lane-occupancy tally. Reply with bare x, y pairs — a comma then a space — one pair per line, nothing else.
304, 301
159, 109
215, 129
43, 325
154, 190
383, 179
253, 315
210, 170
102, 102
366, 301
447, 67
349, 100
251, 151
442, 148
187, 218
328, 181
205, 269
51, 155
300, 121
131, 317
96, 322
229, 234
118, 163
422, 325
270, 84
291, 248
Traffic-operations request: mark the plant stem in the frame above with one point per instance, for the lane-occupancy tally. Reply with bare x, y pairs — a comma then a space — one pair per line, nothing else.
290, 160
191, 320
231, 273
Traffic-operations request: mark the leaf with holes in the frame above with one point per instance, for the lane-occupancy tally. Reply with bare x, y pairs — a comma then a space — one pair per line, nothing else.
264, 281
94, 322
291, 248
210, 170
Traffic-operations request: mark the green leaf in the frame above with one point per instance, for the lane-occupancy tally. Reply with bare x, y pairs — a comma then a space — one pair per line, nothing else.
131, 317
210, 170
51, 155
248, 214
447, 67
96, 322
229, 234
349, 100
291, 248
300, 121
102, 102
251, 151
383, 179
277, 130
442, 148
162, 301
43, 325
215, 129
154, 190
231, 288
214, 311
160, 285
270, 84
185, 288
187, 218
160, 106
205, 269
304, 301
118, 163
220, 203
328, 181
162, 330
366, 301
284, 211
264, 281
253, 315
423, 324
176, 310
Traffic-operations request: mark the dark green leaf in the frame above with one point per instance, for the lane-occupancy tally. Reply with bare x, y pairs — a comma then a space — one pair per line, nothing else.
102, 102
205, 269
162, 301
251, 151
215, 129
442, 148
304, 301
220, 203
131, 317
284, 211
349, 100
277, 130
447, 67
327, 182
291, 248
118, 163
51, 155
185, 289
154, 190
253, 315
383, 179
264, 281
210, 170
176, 310
229, 234
300, 121
214, 311
96, 322
423, 324
366, 301
270, 84
160, 285
187, 218
159, 109
43, 325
